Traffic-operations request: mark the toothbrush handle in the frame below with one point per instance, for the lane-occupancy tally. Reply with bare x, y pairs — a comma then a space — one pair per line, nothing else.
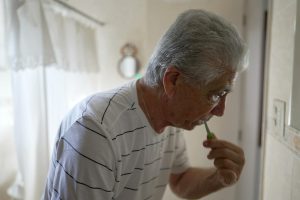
210, 136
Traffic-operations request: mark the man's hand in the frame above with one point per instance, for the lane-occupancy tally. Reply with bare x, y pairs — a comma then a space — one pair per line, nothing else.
228, 158
195, 183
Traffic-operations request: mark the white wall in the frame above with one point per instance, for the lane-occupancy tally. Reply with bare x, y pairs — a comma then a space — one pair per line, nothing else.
252, 100
281, 173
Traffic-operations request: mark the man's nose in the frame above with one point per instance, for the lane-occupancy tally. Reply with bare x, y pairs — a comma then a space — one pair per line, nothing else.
219, 109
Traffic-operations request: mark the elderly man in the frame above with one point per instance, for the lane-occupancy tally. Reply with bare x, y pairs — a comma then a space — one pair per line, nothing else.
127, 143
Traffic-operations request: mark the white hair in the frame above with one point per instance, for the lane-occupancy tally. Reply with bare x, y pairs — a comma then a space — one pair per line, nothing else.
201, 45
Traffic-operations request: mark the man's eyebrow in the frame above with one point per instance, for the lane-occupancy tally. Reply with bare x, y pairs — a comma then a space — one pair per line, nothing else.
227, 88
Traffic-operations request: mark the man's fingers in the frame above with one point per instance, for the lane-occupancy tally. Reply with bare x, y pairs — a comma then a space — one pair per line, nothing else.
225, 153
227, 164
227, 156
214, 144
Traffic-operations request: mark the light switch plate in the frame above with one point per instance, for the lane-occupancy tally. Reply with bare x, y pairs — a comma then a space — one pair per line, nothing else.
279, 117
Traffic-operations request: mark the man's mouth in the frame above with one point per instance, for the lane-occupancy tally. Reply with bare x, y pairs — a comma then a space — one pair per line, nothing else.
201, 121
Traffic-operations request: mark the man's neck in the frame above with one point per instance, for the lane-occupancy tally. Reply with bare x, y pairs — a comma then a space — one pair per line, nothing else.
151, 102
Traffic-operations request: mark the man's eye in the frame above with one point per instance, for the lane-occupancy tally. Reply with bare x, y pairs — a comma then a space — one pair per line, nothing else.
223, 93
215, 98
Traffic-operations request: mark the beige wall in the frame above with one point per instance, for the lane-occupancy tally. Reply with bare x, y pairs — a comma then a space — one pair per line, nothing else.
281, 175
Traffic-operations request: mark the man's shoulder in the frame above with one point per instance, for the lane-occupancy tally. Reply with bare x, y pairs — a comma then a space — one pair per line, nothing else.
107, 107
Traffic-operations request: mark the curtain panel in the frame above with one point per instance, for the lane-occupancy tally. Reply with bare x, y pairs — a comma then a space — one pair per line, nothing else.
54, 63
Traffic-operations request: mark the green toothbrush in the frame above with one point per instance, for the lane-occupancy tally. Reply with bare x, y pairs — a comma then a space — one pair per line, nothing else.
210, 135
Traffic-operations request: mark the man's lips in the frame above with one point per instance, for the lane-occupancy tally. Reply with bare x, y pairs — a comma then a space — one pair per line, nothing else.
201, 121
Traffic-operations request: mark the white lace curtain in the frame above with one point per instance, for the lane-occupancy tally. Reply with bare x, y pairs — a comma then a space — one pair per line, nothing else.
73, 39
54, 62
43, 33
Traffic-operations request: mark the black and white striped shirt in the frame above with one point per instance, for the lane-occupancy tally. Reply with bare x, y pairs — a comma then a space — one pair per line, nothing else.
106, 149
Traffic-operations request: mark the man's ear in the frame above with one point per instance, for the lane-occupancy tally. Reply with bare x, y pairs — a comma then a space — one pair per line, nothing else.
170, 80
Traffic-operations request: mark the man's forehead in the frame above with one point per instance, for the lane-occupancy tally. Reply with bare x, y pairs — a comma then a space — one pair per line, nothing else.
223, 83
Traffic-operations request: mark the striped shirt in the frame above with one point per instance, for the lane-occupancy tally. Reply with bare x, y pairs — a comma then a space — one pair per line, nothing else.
106, 149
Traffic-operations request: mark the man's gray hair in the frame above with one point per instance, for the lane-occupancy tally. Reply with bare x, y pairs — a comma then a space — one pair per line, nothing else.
201, 45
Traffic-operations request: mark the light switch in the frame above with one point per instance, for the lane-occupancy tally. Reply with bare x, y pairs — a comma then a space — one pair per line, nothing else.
278, 117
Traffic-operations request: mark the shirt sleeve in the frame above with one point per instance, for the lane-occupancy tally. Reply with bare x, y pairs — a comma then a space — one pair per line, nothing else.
181, 161
83, 164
